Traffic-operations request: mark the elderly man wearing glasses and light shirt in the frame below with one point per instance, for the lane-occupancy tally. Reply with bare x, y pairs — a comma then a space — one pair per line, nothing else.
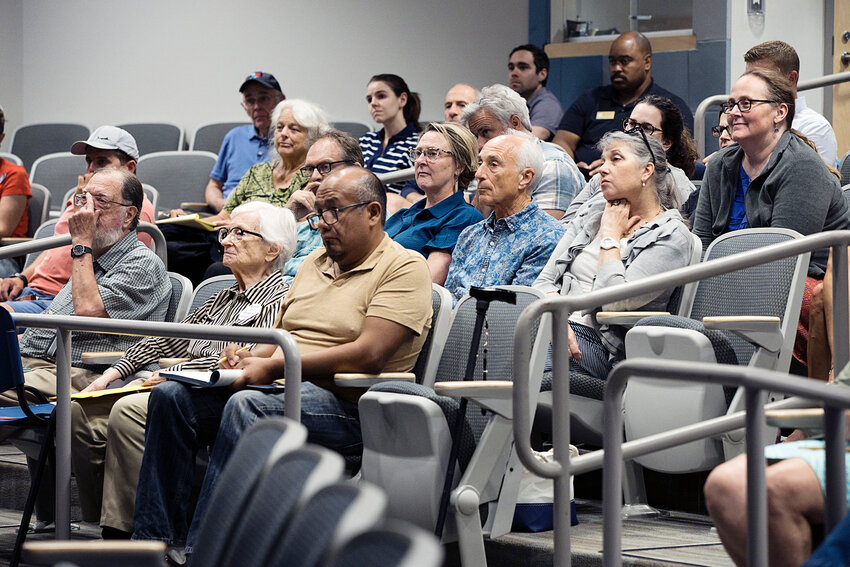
109, 432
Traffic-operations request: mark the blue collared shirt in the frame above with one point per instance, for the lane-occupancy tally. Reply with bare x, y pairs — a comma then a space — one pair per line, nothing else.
241, 148
380, 159
511, 250
434, 228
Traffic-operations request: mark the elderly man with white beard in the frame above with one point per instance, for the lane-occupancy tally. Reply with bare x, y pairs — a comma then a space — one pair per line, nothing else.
113, 275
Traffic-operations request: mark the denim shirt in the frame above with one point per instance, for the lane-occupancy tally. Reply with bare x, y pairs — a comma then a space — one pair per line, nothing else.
510, 250
660, 245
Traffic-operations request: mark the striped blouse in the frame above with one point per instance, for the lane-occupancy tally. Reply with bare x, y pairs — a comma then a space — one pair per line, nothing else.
379, 159
257, 306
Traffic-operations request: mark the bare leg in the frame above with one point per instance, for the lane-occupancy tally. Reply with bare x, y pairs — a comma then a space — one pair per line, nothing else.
795, 501
818, 353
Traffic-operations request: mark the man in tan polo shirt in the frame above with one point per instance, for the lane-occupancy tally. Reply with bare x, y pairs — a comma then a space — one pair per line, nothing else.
360, 304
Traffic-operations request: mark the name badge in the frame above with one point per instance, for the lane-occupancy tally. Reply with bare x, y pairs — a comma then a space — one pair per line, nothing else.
605, 115
249, 312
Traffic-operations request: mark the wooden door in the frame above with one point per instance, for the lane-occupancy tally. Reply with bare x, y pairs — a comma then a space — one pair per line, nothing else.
841, 92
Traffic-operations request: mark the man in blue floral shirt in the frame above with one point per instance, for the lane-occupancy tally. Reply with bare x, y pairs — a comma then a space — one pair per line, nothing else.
512, 245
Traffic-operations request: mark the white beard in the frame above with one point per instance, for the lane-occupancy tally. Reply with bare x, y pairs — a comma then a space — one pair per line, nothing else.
106, 237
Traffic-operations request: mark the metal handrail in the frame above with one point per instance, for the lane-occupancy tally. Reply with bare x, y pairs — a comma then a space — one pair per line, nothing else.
561, 306
754, 381
39, 244
65, 324
717, 100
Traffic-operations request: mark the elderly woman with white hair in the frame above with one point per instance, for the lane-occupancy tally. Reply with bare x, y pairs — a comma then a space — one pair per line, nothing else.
294, 122
634, 232
109, 432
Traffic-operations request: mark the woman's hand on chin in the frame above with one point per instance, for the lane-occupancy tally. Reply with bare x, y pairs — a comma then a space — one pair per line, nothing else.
616, 222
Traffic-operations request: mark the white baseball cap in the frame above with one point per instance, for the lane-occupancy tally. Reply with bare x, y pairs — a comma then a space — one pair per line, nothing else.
108, 138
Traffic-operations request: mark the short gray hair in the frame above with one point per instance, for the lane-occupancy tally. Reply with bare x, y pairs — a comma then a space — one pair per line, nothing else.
307, 114
503, 102
665, 187
528, 155
276, 224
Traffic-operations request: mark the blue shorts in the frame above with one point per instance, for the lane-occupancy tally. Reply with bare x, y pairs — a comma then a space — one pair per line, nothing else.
36, 306
814, 453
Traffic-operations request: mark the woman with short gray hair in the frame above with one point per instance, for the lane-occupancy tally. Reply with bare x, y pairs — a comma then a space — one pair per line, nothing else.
633, 233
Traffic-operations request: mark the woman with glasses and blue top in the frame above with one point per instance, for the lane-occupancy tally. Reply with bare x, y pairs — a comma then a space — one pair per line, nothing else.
632, 232
444, 161
655, 116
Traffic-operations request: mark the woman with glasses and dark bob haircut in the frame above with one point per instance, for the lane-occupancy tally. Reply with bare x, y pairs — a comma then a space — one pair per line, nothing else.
657, 117
634, 231
444, 160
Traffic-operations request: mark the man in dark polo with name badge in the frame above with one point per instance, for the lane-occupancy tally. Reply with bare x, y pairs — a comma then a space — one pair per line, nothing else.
603, 109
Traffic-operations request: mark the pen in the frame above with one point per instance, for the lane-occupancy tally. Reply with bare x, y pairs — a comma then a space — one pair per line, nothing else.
223, 358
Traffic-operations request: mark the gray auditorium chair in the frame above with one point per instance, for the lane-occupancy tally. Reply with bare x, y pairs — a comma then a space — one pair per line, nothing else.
354, 129
57, 172
37, 208
31, 141
12, 158
210, 287
155, 136
407, 430
259, 453
208, 137
749, 318
178, 176
395, 544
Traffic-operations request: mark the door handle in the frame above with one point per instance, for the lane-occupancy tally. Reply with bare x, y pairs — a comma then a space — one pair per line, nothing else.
845, 58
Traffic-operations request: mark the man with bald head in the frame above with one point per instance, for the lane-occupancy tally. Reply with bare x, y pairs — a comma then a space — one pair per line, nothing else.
380, 296
604, 108
458, 98
512, 245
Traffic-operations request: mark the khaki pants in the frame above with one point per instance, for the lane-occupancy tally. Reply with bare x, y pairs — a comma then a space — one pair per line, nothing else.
108, 441
42, 375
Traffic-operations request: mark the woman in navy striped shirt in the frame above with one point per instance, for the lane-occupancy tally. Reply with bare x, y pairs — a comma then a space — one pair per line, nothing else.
392, 105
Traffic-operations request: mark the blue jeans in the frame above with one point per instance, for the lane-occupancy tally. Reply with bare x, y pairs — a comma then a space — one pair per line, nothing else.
36, 306
182, 420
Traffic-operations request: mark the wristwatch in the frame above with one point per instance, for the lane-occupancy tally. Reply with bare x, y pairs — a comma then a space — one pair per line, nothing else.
22, 277
79, 250
608, 243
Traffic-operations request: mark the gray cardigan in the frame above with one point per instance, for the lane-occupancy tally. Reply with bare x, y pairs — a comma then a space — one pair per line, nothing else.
795, 190
661, 245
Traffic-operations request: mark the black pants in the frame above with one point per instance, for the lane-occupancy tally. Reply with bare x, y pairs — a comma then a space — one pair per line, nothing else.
191, 251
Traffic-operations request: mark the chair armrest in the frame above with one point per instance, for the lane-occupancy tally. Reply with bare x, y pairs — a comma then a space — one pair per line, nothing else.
762, 331
495, 395
99, 553
166, 362
109, 357
195, 207
7, 240
803, 418
625, 318
359, 380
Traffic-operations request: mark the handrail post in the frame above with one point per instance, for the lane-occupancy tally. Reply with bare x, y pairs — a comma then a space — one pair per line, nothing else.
292, 374
612, 469
63, 434
756, 482
836, 483
561, 436
841, 309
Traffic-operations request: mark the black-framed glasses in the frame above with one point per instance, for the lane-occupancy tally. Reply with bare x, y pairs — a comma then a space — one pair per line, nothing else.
718, 130
744, 105
630, 125
330, 216
431, 154
100, 202
236, 233
324, 168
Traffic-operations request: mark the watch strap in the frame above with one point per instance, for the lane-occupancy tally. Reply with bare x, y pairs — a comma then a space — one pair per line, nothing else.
23, 278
